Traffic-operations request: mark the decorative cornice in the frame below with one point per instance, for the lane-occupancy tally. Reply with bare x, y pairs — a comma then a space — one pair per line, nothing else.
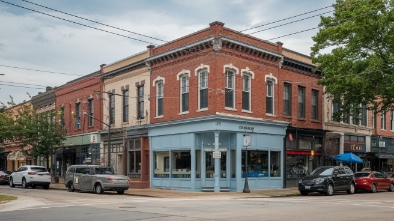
127, 68
301, 66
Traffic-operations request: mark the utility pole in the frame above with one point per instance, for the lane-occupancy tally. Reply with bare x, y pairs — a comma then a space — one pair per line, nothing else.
109, 129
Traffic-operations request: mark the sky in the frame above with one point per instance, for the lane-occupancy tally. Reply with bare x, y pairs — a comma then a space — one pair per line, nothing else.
42, 47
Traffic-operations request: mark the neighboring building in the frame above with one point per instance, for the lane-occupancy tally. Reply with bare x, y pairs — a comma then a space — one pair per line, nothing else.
347, 133
218, 112
382, 141
44, 102
15, 151
300, 103
79, 106
126, 108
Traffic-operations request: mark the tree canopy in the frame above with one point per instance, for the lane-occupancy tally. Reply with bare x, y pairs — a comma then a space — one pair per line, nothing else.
354, 48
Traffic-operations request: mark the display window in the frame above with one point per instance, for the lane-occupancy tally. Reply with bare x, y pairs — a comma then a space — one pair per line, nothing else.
261, 163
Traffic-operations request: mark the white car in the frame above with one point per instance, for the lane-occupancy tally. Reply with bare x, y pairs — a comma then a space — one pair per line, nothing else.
31, 175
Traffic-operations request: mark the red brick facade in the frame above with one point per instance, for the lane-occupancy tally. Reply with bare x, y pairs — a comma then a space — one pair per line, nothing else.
242, 52
80, 90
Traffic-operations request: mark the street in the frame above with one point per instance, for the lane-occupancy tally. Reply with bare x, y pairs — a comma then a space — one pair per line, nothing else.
52, 204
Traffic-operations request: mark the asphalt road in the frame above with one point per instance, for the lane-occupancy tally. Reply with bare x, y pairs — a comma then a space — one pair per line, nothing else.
59, 205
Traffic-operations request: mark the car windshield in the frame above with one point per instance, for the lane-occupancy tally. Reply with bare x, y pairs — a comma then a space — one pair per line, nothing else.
361, 175
103, 170
39, 169
323, 171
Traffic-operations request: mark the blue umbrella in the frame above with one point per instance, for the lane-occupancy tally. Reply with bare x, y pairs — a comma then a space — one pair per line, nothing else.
348, 158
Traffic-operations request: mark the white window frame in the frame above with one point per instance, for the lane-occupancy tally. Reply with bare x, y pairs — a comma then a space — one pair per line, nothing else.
155, 83
179, 77
274, 80
250, 74
198, 71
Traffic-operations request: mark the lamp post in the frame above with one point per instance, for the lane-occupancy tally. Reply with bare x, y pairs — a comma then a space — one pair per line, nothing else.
109, 129
246, 144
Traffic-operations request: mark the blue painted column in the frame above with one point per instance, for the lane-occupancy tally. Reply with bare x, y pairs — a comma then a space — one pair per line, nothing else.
217, 164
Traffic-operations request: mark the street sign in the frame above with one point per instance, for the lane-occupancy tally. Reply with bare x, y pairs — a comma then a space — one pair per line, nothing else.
217, 154
246, 140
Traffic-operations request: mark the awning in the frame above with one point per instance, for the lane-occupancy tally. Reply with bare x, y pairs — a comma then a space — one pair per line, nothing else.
16, 155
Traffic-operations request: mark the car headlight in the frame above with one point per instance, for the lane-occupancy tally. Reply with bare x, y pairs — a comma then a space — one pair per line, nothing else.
319, 180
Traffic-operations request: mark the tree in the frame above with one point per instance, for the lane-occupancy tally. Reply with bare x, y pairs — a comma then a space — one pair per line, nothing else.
48, 138
38, 132
354, 48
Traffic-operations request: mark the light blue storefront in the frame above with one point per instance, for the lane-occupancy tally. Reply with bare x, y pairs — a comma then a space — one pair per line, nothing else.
208, 154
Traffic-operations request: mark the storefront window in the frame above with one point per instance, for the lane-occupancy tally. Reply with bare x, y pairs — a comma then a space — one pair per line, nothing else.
134, 155
162, 164
275, 164
198, 164
233, 163
209, 165
257, 163
223, 170
181, 164
296, 166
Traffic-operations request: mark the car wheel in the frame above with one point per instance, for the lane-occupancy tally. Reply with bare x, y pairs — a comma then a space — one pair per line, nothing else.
391, 188
12, 183
70, 187
373, 188
351, 189
45, 187
24, 184
304, 193
98, 189
330, 190
33, 186
120, 191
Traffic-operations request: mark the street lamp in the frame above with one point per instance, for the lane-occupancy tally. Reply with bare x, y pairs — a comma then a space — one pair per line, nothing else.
246, 144
109, 133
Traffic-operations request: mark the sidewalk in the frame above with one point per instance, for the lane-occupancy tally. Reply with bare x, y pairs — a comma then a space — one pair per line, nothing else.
161, 193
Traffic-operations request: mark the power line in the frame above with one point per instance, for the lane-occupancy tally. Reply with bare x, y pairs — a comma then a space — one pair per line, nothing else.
287, 18
38, 70
10, 82
99, 29
94, 21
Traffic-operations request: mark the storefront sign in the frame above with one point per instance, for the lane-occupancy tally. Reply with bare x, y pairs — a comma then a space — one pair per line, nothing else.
246, 128
354, 147
217, 154
93, 138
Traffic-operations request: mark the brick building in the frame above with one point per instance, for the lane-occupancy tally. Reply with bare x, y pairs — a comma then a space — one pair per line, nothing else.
218, 111
79, 104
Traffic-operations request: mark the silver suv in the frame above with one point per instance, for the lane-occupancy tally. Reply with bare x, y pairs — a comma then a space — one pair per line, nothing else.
31, 175
95, 178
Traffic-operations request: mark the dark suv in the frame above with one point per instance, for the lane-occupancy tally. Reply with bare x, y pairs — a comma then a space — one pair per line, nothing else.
328, 179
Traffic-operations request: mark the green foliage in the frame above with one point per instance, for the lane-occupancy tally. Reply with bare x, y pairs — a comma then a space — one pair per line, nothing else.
354, 48
38, 132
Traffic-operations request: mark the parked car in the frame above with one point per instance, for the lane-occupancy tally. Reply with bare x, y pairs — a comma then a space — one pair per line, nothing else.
95, 178
328, 179
373, 181
31, 175
4, 176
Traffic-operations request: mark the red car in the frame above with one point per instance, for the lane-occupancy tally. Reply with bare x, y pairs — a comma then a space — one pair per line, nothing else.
373, 181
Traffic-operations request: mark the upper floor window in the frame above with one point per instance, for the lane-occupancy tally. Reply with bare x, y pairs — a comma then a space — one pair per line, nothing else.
246, 92
183, 78
269, 101
125, 109
383, 121
91, 112
391, 120
364, 118
203, 89
373, 119
77, 116
62, 122
159, 98
315, 113
111, 108
230, 89
335, 109
140, 102
287, 99
301, 102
